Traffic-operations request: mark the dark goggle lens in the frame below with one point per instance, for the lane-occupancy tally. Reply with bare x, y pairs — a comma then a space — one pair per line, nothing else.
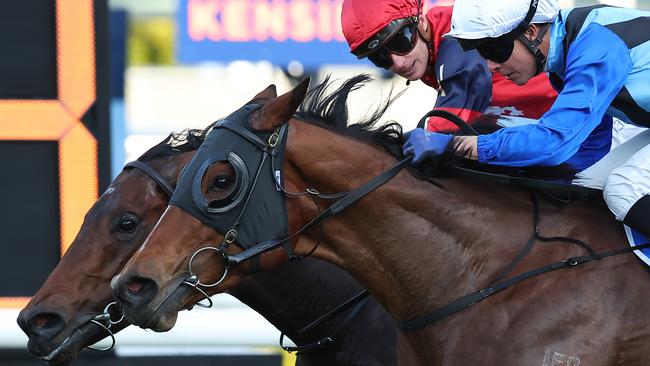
404, 41
381, 59
401, 43
498, 50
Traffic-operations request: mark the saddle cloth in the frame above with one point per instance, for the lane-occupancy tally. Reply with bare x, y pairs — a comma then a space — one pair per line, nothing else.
634, 238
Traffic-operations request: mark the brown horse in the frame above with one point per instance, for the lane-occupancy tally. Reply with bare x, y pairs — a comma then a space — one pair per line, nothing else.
58, 316
415, 245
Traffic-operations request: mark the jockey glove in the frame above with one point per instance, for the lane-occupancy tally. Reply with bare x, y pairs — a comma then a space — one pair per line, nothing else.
423, 144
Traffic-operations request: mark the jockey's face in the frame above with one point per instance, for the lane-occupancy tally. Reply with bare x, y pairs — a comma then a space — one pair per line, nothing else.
413, 65
519, 68
521, 65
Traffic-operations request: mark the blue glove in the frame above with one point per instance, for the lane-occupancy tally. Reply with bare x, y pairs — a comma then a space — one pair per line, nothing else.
424, 144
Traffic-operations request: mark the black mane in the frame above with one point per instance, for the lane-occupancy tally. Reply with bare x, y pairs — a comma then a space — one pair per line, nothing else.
330, 109
176, 143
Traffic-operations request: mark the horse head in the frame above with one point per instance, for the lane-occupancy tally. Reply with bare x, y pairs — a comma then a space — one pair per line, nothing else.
71, 310
240, 205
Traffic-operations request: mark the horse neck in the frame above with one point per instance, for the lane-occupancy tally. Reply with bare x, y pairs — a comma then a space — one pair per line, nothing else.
293, 295
408, 232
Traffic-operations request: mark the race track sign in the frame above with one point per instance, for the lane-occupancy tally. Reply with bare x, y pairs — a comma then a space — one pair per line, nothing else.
279, 31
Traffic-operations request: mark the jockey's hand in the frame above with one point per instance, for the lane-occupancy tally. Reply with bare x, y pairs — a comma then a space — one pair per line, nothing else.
424, 144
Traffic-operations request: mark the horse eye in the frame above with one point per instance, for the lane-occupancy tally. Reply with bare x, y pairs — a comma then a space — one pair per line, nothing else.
127, 224
221, 182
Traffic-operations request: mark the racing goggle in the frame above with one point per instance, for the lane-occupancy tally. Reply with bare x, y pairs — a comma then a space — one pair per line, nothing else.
493, 49
398, 37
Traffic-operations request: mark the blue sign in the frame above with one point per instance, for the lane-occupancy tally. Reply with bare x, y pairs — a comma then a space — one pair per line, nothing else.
278, 31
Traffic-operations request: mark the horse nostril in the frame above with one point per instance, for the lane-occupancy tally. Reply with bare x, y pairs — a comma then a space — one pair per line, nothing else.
45, 325
134, 286
136, 290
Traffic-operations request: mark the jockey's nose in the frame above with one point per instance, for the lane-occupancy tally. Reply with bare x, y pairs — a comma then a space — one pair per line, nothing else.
399, 63
493, 66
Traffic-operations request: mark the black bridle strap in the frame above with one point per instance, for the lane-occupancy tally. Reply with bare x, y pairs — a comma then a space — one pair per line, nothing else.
146, 169
360, 299
334, 209
473, 298
248, 135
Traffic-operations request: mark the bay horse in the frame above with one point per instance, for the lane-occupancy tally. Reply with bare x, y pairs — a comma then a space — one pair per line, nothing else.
415, 244
58, 319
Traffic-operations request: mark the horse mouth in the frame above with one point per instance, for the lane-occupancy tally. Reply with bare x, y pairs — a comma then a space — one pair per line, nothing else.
159, 315
69, 349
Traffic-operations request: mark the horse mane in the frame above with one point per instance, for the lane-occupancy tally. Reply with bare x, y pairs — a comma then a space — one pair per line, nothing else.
329, 109
177, 143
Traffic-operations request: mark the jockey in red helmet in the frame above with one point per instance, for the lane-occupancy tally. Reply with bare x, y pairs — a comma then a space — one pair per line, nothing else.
396, 35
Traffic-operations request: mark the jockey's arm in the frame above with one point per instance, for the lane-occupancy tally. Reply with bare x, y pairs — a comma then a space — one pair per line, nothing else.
593, 77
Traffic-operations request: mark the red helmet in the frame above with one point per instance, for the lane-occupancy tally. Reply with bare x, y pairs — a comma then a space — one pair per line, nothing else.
361, 19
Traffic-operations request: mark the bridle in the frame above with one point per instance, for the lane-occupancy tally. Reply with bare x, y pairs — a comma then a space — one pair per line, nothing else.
270, 148
104, 319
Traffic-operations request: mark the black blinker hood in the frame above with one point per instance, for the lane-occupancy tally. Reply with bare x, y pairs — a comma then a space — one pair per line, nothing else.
255, 209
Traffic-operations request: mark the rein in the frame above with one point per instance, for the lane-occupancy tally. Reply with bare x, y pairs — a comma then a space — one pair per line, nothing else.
359, 299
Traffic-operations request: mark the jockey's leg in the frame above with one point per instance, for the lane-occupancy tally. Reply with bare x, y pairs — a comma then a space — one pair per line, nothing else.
638, 217
627, 192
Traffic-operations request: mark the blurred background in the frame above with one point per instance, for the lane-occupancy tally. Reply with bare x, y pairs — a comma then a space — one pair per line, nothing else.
114, 79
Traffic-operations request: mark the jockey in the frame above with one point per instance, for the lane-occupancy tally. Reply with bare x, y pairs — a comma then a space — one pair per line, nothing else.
598, 62
395, 35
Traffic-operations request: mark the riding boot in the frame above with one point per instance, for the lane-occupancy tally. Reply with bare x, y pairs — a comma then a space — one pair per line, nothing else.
638, 218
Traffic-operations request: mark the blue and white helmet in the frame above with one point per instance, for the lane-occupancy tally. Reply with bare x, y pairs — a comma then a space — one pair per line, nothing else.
478, 19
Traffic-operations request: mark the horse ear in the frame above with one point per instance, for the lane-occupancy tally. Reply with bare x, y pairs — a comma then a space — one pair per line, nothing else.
266, 94
281, 109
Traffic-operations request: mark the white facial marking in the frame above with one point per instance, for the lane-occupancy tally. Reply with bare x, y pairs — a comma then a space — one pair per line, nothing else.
108, 191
